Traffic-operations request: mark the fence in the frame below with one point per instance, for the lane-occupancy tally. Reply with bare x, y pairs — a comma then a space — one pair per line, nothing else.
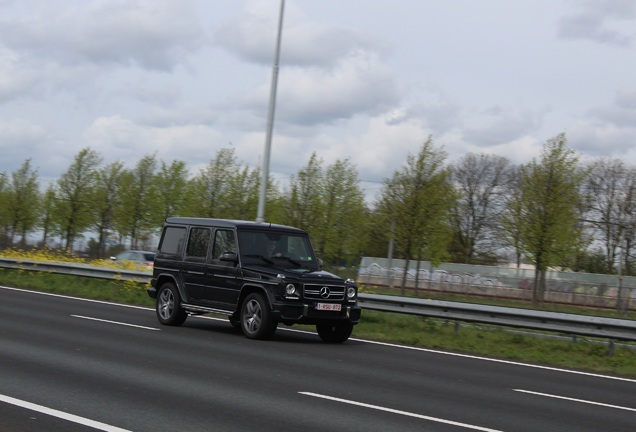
581, 289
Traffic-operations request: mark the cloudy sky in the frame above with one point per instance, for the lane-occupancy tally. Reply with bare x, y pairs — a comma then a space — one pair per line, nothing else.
367, 80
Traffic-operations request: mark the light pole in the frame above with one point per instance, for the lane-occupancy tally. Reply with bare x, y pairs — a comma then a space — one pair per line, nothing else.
260, 216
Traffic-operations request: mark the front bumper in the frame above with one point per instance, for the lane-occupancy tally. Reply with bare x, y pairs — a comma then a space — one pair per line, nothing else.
306, 313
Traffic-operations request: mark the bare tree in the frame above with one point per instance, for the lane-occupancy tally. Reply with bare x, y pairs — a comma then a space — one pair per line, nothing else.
481, 181
612, 188
511, 217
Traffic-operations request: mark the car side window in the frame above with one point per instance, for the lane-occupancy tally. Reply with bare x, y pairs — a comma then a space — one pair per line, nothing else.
198, 243
172, 241
224, 241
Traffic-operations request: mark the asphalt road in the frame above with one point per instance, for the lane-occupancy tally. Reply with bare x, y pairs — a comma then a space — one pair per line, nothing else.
74, 365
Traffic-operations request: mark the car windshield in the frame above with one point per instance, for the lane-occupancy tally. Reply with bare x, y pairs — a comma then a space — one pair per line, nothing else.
276, 248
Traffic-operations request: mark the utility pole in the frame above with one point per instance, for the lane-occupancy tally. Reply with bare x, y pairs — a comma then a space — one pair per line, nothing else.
260, 216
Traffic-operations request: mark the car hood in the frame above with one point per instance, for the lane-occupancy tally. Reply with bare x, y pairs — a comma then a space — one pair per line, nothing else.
302, 274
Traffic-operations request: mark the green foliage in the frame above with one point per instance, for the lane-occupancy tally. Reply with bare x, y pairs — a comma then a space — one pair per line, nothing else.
417, 203
4, 214
47, 218
22, 204
74, 196
106, 200
329, 204
224, 189
171, 182
467, 212
550, 207
305, 199
137, 211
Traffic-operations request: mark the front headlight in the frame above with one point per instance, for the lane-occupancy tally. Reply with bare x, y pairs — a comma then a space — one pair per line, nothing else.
351, 292
290, 289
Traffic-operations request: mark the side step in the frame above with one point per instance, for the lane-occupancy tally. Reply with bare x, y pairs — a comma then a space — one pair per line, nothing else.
202, 309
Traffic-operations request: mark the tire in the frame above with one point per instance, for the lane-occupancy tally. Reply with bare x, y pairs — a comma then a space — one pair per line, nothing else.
168, 306
335, 333
256, 318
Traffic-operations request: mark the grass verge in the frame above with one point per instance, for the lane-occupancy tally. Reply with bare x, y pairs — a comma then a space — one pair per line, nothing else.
491, 341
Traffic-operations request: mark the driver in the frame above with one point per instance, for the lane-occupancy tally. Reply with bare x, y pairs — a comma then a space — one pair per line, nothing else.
270, 249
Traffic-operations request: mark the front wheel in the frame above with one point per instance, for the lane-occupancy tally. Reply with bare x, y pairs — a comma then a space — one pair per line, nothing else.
168, 307
256, 318
334, 333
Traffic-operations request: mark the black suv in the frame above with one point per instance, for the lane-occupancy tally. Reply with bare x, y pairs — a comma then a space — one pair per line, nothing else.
258, 274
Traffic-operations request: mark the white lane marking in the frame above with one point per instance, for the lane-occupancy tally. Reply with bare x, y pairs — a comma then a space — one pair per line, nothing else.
61, 414
493, 360
114, 322
387, 344
575, 400
404, 413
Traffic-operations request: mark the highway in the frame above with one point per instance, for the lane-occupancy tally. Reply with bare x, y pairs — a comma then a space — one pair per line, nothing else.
70, 365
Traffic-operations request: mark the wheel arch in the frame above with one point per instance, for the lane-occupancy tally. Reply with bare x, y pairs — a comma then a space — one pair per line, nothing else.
248, 289
167, 277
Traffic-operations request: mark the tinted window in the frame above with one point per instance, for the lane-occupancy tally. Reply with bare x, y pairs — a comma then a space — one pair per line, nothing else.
198, 242
223, 242
172, 242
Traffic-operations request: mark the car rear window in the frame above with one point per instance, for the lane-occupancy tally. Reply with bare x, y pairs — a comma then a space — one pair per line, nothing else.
173, 241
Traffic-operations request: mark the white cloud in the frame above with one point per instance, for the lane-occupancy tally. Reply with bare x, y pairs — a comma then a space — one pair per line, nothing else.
155, 34
118, 138
603, 21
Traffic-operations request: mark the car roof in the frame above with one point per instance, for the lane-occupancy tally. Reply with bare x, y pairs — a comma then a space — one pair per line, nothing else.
229, 223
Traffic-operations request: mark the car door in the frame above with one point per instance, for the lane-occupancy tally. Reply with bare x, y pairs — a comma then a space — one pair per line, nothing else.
194, 267
221, 281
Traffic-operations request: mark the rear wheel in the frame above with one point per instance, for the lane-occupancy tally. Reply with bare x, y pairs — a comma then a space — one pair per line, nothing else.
334, 333
168, 307
256, 318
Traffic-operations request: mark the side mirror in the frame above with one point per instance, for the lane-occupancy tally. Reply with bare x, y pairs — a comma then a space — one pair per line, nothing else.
319, 263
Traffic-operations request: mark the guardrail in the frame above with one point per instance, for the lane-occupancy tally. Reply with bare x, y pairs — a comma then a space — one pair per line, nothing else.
76, 269
585, 325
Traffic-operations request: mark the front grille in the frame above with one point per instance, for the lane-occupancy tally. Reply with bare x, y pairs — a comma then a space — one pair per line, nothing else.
324, 292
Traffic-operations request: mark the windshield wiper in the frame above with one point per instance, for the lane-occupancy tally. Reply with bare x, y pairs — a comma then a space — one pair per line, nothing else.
291, 260
267, 260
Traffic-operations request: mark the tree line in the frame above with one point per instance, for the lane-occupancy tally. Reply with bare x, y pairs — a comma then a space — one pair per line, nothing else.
554, 211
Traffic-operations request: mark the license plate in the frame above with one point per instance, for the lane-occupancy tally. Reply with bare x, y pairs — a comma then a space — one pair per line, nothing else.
328, 306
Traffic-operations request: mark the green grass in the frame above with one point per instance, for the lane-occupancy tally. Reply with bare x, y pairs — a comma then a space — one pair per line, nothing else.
491, 341
98, 289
